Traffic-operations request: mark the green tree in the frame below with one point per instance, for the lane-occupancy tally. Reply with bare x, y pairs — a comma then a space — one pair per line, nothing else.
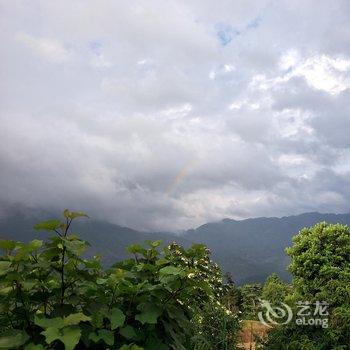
320, 264
232, 298
250, 296
275, 290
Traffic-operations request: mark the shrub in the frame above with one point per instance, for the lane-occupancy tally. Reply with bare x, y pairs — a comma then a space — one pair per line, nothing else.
53, 297
320, 264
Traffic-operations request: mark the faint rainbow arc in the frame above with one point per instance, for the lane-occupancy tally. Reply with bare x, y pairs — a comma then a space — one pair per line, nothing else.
179, 177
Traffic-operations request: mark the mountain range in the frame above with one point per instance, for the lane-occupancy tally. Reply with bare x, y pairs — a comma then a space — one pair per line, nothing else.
249, 250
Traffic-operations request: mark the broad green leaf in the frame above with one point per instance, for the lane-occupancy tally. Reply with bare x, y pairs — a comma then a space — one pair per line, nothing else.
70, 337
24, 249
120, 273
135, 248
74, 214
103, 334
101, 280
76, 247
29, 285
131, 347
107, 336
74, 319
6, 290
117, 318
13, 339
34, 245
4, 265
97, 319
154, 244
33, 346
49, 225
51, 334
92, 264
94, 337
128, 332
162, 262
56, 322
149, 313
170, 270
7, 244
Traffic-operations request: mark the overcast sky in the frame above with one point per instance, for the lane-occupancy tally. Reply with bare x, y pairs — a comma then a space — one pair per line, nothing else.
163, 115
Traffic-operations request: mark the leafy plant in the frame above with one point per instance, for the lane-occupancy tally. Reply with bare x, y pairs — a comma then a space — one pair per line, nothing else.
215, 327
275, 290
51, 297
250, 296
320, 264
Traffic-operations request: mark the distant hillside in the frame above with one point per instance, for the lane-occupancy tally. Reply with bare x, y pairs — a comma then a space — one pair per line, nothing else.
105, 238
254, 248
249, 249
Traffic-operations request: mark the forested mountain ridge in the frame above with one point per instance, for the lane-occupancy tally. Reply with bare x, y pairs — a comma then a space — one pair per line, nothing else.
105, 238
252, 249
249, 249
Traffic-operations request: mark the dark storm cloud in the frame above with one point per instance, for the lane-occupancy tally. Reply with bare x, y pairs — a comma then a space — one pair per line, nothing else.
167, 115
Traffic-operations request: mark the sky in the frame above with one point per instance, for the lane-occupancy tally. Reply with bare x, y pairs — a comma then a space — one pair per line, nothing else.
164, 115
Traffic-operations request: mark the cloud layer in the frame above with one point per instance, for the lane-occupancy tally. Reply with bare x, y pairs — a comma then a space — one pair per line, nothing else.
162, 115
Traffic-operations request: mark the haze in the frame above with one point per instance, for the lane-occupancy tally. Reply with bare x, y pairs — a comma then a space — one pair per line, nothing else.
162, 115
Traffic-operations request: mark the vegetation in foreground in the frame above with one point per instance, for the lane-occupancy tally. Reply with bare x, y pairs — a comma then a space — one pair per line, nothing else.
321, 272
51, 297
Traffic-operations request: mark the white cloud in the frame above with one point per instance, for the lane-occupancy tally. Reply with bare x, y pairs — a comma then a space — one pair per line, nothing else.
100, 61
144, 117
325, 73
49, 49
321, 72
289, 59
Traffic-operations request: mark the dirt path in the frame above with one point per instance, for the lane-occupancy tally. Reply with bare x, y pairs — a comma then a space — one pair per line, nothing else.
249, 330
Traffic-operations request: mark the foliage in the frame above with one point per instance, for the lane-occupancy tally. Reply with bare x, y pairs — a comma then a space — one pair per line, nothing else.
250, 297
295, 337
231, 298
52, 297
215, 327
321, 269
275, 290
321, 263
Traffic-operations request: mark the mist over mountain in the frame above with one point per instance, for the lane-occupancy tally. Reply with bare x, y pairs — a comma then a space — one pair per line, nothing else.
254, 248
107, 239
249, 249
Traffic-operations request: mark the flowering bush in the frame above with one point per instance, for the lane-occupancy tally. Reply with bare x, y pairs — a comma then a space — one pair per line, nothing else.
52, 297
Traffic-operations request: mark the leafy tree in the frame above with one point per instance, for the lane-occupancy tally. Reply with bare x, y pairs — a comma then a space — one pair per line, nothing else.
51, 297
214, 324
250, 296
215, 327
321, 272
275, 290
321, 263
232, 298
